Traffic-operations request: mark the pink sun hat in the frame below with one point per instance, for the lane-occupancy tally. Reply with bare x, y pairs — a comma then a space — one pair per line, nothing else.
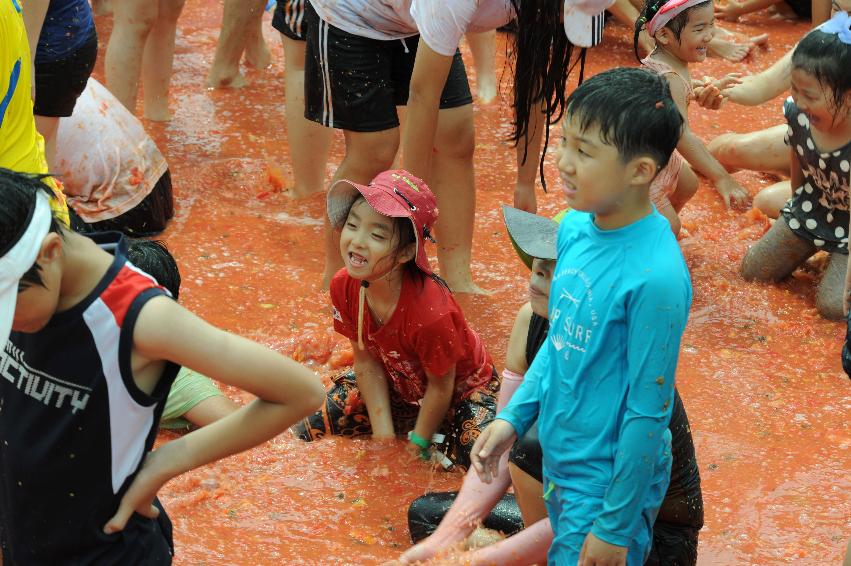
394, 193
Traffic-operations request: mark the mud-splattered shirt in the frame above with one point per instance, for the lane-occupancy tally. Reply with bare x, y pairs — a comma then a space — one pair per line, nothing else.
603, 383
427, 332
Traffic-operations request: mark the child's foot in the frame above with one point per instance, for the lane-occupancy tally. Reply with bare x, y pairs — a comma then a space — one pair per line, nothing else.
225, 78
257, 53
157, 111
299, 192
486, 88
467, 286
730, 50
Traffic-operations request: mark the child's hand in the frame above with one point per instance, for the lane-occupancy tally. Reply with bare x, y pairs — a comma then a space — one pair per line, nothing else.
596, 552
730, 11
729, 190
727, 81
707, 95
490, 446
158, 468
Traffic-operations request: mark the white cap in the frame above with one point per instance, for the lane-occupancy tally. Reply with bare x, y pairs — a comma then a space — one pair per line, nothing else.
18, 260
583, 21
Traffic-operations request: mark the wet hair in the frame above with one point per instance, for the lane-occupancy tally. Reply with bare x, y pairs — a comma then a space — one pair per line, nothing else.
403, 233
650, 9
633, 109
542, 63
825, 57
18, 192
153, 258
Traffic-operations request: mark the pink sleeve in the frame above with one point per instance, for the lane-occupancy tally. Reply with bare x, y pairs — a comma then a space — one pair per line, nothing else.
442, 23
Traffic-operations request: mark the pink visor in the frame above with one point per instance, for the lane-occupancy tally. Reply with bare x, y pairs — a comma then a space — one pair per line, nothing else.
668, 12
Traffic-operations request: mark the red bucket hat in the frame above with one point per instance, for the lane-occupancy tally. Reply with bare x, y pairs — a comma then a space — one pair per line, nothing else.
394, 193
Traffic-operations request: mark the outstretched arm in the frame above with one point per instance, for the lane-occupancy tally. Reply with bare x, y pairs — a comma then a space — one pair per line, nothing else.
429, 76
693, 150
286, 391
762, 87
373, 387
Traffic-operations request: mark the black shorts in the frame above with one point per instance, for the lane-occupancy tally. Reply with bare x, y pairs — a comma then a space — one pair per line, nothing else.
58, 84
289, 19
426, 513
355, 83
146, 219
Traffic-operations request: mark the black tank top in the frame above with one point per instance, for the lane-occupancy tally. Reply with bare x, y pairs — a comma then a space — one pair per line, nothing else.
74, 429
683, 504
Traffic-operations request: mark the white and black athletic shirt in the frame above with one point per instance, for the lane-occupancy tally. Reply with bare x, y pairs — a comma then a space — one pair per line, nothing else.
74, 429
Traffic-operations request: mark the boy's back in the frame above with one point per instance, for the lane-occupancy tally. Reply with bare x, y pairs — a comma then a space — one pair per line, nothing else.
75, 428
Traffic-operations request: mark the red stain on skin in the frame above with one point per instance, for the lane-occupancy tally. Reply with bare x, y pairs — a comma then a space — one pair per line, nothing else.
759, 370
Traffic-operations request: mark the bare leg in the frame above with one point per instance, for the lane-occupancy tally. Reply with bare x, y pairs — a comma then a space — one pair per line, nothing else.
102, 7
367, 155
771, 199
308, 141
776, 255
483, 47
134, 20
529, 494
210, 410
668, 212
158, 60
47, 126
832, 286
453, 184
762, 150
256, 51
236, 22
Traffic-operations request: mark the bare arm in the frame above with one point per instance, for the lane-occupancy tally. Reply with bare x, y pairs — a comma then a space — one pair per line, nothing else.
435, 403
34, 13
286, 391
693, 150
527, 171
372, 384
762, 87
515, 357
427, 80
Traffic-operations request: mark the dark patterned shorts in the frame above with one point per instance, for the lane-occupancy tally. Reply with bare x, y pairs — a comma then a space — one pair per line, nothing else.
344, 414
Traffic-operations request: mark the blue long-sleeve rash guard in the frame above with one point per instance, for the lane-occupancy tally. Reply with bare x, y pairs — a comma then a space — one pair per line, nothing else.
602, 385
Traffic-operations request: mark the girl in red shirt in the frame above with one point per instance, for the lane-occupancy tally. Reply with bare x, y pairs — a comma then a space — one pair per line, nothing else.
418, 367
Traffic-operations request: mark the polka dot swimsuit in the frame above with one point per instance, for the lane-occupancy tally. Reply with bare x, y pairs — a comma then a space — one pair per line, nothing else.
818, 211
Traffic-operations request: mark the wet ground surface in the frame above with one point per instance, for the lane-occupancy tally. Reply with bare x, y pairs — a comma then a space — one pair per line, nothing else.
759, 373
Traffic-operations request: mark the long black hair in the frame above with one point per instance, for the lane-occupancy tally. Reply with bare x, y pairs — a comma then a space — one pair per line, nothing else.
542, 62
650, 9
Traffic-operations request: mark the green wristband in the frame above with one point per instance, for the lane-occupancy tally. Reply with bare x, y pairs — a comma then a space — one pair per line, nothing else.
418, 440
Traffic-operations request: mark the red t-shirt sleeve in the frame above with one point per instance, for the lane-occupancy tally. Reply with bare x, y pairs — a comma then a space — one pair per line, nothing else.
344, 305
441, 343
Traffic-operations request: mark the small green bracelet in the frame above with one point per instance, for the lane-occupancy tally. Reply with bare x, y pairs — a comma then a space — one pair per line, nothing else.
419, 440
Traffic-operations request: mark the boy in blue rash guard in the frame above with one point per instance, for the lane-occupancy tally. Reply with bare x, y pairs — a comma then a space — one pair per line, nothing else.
602, 385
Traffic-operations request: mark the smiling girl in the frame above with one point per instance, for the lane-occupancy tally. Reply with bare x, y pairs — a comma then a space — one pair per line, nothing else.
682, 30
819, 138
418, 367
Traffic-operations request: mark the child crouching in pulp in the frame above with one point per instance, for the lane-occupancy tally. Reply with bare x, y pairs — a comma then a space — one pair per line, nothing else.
90, 348
682, 30
602, 385
418, 367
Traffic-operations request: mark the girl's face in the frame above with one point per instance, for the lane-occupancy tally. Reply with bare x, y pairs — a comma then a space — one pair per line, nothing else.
815, 101
694, 39
539, 285
368, 243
